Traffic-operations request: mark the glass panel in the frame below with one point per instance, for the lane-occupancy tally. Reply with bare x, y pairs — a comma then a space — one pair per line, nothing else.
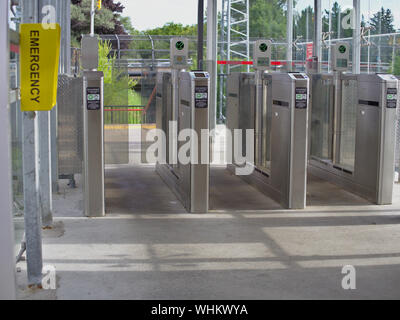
246, 108
303, 32
266, 129
348, 124
336, 24
117, 113
322, 119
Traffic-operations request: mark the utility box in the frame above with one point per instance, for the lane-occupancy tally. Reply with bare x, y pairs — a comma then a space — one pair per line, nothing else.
179, 51
341, 57
262, 54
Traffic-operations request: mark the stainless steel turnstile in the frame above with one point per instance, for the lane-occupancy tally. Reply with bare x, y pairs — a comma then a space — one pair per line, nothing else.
279, 117
189, 180
93, 116
353, 132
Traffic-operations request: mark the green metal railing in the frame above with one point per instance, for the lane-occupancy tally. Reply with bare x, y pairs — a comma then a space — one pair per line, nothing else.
123, 114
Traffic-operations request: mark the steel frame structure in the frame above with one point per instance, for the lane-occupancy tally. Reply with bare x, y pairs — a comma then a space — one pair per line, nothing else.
235, 41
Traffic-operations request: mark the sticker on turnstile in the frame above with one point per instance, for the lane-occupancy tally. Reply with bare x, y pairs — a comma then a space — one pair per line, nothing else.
201, 97
391, 98
93, 98
301, 98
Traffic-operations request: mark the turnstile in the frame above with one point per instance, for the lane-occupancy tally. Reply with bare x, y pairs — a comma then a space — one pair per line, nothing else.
353, 132
93, 129
93, 115
279, 118
186, 125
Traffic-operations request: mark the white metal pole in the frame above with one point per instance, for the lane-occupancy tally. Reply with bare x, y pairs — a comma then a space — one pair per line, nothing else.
223, 57
394, 53
330, 36
7, 262
248, 32
357, 37
369, 51
229, 37
212, 47
369, 37
289, 35
92, 13
318, 32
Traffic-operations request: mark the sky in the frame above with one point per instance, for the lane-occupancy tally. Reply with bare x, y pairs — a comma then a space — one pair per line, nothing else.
148, 14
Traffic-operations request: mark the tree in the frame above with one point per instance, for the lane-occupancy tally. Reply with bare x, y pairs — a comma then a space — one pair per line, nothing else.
396, 69
107, 20
118, 86
267, 19
337, 16
304, 24
173, 29
169, 29
382, 22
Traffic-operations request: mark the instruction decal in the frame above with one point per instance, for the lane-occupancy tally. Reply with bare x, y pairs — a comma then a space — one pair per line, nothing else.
93, 99
301, 98
201, 97
391, 98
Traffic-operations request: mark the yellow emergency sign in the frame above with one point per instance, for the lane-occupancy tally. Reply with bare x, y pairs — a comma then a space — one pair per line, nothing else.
39, 56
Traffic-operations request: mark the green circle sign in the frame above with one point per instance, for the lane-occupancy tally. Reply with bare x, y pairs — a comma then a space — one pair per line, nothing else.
342, 49
263, 47
180, 45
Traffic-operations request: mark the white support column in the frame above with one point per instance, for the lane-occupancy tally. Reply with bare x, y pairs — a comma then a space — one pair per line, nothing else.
30, 154
357, 37
92, 14
7, 255
318, 32
212, 47
289, 35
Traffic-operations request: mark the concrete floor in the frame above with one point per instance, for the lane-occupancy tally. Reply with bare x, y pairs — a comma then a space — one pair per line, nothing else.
138, 189
148, 248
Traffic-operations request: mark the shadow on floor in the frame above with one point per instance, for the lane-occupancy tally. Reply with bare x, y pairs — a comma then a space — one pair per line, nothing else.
323, 193
138, 189
229, 192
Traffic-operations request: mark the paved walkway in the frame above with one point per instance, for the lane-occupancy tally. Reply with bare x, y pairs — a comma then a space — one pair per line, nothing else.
148, 248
